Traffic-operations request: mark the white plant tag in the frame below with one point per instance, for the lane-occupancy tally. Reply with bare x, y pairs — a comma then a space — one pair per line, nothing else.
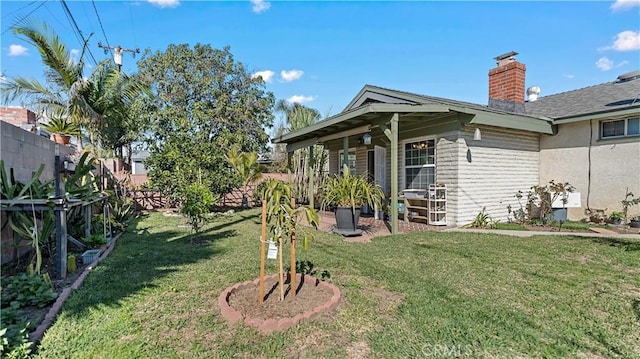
272, 253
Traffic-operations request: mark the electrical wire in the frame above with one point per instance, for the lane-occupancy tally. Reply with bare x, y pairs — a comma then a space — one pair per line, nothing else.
133, 30
73, 22
20, 9
102, 27
25, 16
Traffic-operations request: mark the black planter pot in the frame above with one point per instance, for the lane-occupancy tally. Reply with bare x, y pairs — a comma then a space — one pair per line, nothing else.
346, 220
634, 223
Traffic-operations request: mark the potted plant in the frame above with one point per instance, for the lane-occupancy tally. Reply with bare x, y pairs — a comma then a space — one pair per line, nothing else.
95, 241
62, 129
628, 202
616, 217
347, 193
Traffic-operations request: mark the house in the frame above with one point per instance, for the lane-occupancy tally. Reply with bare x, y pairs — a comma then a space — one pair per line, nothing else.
485, 154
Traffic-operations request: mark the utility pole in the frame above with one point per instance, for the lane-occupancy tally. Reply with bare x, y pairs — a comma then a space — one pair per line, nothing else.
117, 53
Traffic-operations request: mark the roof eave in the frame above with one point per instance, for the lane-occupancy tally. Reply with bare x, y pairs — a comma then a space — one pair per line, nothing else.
373, 108
627, 111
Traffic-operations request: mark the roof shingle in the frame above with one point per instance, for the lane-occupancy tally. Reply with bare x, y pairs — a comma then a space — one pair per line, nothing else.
593, 99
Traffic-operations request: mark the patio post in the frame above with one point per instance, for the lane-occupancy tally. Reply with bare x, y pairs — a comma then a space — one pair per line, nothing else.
392, 134
289, 154
311, 170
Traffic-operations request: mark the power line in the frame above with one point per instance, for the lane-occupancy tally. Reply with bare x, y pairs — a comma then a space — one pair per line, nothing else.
133, 30
73, 22
20, 9
24, 17
101, 27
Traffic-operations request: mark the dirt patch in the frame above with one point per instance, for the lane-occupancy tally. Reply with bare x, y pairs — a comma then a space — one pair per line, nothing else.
359, 350
308, 296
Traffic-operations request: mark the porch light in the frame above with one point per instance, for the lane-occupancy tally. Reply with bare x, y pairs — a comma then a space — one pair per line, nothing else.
477, 136
366, 139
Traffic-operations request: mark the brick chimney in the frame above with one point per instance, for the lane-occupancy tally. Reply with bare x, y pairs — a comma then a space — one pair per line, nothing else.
506, 83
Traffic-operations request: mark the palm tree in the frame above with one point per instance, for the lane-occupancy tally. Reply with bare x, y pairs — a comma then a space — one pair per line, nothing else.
298, 116
101, 104
112, 94
247, 167
66, 84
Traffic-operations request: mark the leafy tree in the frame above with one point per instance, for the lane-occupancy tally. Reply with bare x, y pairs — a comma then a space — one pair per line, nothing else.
204, 104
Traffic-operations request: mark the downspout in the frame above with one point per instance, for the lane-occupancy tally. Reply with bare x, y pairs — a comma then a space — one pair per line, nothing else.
345, 152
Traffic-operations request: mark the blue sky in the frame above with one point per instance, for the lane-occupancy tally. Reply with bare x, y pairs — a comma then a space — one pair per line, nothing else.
322, 53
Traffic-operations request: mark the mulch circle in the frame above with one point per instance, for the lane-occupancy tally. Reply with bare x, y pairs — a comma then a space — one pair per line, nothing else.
313, 298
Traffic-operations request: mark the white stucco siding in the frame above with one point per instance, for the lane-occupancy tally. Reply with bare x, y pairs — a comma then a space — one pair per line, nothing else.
491, 171
613, 164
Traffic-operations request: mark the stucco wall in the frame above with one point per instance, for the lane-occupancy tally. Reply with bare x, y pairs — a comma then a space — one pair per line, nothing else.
601, 170
24, 152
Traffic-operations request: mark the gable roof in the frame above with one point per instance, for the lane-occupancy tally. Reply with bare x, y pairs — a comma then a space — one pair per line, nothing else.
577, 104
373, 101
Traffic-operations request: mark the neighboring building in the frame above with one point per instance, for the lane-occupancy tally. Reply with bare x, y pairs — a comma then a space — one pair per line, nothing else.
23, 118
137, 162
485, 154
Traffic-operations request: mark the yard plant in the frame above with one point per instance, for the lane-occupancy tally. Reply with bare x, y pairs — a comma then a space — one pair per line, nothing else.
350, 190
198, 200
493, 296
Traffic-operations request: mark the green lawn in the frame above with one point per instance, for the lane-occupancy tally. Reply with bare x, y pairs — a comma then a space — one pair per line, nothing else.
419, 295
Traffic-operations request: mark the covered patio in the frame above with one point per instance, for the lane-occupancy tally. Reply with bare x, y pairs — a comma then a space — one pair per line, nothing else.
379, 121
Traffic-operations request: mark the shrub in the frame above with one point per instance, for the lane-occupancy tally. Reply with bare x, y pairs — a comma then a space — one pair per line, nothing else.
482, 220
197, 201
95, 240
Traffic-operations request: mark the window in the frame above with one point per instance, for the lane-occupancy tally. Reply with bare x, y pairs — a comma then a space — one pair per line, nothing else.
419, 164
351, 161
620, 128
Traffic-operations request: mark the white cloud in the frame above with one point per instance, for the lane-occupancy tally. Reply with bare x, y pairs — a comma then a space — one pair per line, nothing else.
17, 50
260, 6
267, 75
604, 64
622, 5
291, 75
75, 53
164, 3
626, 41
300, 99
568, 76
